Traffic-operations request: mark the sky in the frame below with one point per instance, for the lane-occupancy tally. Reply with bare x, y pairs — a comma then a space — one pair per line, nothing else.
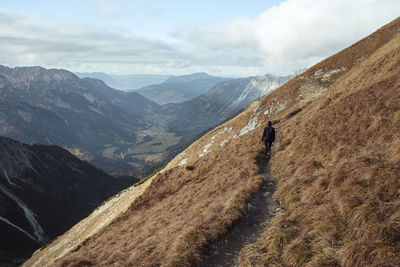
235, 38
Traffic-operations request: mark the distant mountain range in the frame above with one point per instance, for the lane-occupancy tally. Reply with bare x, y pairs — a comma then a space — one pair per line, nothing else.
119, 132
181, 88
162, 89
125, 82
44, 190
220, 103
56, 107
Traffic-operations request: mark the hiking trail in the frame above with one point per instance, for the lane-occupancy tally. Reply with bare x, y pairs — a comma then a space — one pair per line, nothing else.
259, 211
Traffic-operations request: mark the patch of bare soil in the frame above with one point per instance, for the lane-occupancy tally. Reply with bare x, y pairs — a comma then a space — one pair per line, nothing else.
259, 211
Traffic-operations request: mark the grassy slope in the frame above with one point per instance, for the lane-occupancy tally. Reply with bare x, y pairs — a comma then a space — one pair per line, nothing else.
328, 168
182, 210
338, 167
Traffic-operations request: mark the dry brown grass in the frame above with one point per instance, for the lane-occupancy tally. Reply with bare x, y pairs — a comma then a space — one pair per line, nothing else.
184, 208
338, 167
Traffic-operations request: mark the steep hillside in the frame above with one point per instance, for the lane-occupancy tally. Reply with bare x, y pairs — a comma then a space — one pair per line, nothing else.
190, 203
44, 190
180, 88
337, 168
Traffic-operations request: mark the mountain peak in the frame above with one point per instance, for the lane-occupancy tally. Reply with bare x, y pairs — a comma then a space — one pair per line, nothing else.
189, 77
36, 74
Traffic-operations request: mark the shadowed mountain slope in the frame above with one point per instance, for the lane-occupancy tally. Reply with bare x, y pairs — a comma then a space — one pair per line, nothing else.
336, 166
44, 190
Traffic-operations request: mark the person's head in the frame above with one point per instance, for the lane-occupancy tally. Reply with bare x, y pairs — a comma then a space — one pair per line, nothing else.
269, 123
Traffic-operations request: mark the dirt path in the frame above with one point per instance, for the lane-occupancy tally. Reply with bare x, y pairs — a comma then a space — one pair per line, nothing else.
249, 228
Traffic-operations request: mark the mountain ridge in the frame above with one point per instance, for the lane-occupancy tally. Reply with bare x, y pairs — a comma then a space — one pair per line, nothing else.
125, 82
189, 77
177, 89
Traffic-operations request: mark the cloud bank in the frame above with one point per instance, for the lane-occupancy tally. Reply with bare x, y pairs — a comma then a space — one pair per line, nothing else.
297, 33
282, 39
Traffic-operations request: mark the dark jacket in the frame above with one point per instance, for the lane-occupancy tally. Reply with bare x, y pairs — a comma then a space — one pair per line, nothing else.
268, 134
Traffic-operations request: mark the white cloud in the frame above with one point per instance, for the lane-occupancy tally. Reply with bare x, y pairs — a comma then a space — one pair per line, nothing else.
302, 32
27, 40
297, 33
284, 38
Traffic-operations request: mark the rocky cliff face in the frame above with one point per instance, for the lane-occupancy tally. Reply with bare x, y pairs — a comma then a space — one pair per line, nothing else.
44, 190
27, 75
